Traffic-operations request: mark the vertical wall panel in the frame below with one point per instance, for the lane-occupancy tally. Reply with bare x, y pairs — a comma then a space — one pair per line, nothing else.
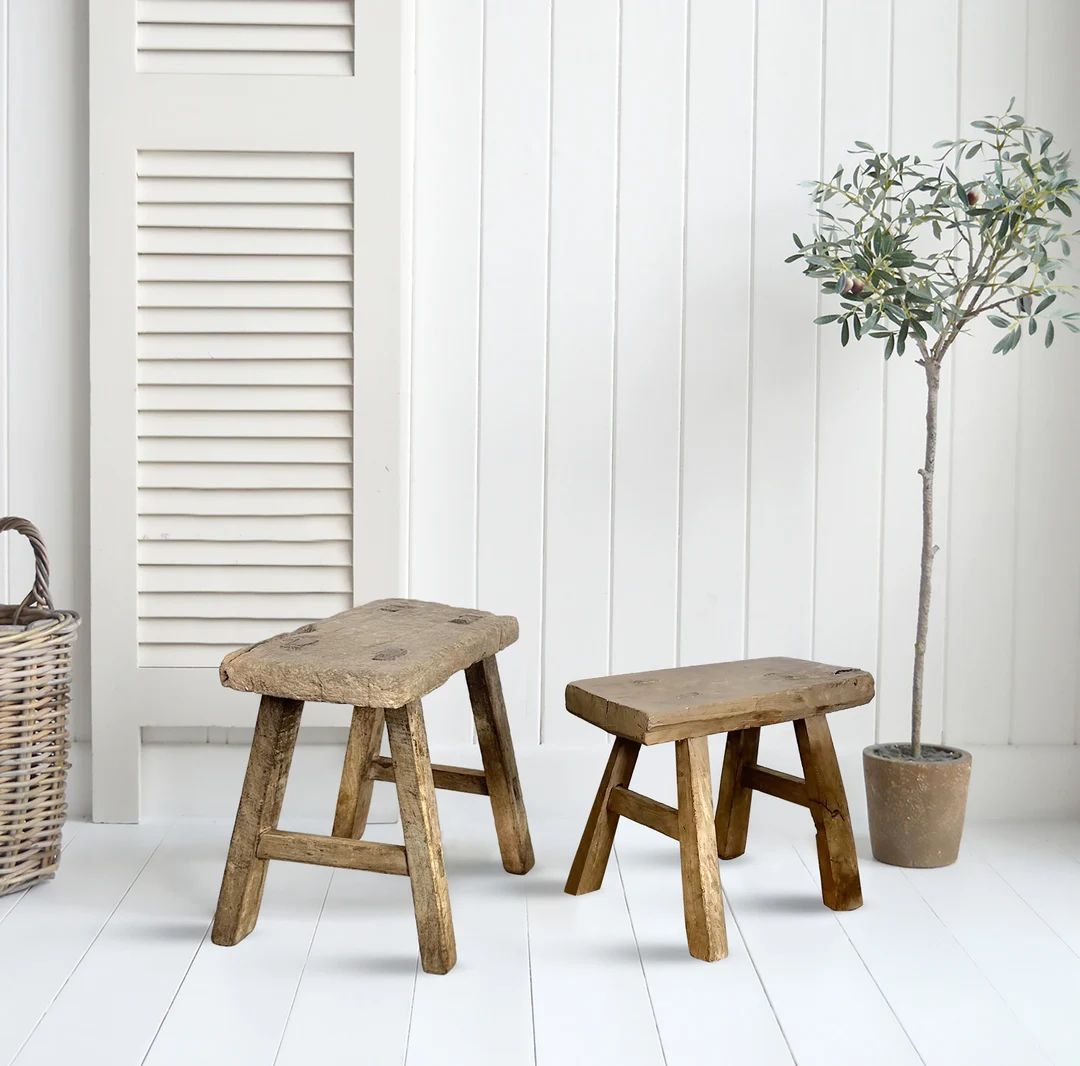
850, 381
477, 364
923, 111
446, 279
782, 386
47, 285
513, 301
1044, 705
982, 526
716, 331
5, 388
584, 125
648, 334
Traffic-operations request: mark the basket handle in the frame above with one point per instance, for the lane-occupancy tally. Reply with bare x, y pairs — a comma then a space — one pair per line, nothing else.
39, 594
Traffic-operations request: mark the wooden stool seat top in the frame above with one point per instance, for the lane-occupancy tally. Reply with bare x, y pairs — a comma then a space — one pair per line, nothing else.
658, 706
385, 654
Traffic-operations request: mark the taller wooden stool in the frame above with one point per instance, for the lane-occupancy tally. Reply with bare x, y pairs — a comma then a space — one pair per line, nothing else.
380, 659
686, 705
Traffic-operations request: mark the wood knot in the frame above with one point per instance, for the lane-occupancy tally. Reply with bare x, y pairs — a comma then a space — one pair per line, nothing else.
389, 653
463, 620
295, 642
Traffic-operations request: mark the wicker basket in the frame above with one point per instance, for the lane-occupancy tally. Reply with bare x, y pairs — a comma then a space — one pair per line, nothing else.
35, 671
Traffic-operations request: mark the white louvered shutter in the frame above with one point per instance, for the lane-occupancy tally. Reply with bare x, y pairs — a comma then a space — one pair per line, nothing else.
245, 36
244, 397
246, 333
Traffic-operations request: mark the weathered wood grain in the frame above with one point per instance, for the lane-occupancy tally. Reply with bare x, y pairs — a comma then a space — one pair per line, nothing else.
423, 841
594, 850
357, 781
777, 783
333, 851
703, 905
663, 705
733, 804
384, 654
451, 778
645, 811
500, 766
259, 809
837, 859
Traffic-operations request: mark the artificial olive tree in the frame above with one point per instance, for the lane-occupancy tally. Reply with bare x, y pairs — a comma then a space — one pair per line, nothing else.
915, 250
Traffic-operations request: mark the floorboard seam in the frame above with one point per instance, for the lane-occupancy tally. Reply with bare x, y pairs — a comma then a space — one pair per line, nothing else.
641, 961
1012, 888
412, 1008
96, 937
303, 967
532, 996
176, 992
730, 910
865, 965
1024, 1027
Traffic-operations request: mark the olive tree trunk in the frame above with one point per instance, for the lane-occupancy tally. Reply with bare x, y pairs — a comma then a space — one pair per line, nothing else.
933, 383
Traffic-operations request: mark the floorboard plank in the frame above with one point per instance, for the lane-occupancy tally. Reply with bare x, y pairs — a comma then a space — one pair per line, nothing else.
482, 1012
914, 958
1029, 964
110, 1009
974, 965
590, 999
1043, 874
53, 926
234, 1002
357, 987
696, 1003
832, 1012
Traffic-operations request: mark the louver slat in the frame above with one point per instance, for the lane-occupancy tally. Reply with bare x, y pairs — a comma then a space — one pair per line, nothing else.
244, 400
245, 36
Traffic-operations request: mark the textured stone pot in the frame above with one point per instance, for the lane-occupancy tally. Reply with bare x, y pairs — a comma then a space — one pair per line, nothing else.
916, 808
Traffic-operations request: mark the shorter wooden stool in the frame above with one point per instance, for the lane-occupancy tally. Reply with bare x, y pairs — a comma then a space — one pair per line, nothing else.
686, 705
380, 659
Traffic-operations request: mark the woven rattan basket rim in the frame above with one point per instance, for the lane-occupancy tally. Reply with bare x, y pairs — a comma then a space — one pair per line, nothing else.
45, 624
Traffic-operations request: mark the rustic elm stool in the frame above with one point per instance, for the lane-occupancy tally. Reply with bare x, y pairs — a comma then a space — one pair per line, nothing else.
380, 659
686, 705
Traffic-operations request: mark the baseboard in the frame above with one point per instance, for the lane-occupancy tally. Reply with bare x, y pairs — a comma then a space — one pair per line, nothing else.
203, 780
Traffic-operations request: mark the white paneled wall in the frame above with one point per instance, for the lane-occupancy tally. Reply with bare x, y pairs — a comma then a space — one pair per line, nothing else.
623, 426
44, 409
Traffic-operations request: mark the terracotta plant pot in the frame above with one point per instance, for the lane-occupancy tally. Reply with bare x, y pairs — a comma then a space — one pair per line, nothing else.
916, 807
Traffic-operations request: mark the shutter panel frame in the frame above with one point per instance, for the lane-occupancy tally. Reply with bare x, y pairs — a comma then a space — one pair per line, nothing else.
366, 117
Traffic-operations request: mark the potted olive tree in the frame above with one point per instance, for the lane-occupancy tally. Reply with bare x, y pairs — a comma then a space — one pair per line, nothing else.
914, 251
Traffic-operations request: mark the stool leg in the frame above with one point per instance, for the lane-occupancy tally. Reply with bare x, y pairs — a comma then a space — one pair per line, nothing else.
259, 809
500, 766
703, 905
423, 842
590, 862
354, 795
733, 806
837, 860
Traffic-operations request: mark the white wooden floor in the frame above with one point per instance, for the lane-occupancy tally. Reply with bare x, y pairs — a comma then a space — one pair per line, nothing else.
978, 964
